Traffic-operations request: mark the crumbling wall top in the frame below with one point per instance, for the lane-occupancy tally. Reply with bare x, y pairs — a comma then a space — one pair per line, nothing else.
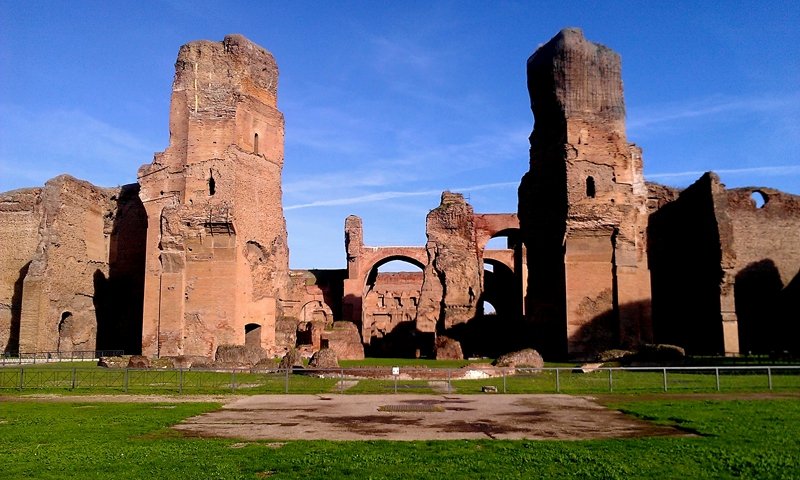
218, 71
576, 78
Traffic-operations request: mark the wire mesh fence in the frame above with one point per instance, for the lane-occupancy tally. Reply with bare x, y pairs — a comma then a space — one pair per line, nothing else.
385, 380
28, 358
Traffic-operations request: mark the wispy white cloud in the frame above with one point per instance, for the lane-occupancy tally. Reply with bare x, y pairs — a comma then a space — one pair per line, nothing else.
381, 196
67, 140
778, 170
711, 107
423, 161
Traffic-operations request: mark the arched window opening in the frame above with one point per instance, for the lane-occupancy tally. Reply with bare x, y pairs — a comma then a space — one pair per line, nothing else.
255, 144
64, 318
759, 198
590, 187
212, 184
252, 335
62, 324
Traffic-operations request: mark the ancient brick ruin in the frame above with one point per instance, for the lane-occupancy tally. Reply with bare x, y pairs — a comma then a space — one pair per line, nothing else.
194, 256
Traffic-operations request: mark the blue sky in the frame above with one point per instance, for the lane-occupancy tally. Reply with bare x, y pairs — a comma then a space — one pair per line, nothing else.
389, 103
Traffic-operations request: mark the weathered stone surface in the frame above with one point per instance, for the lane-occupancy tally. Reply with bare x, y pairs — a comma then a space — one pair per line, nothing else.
292, 359
344, 340
120, 361
660, 353
267, 364
183, 362
527, 358
240, 354
614, 354
583, 204
58, 292
452, 282
217, 257
448, 349
324, 358
20, 216
138, 361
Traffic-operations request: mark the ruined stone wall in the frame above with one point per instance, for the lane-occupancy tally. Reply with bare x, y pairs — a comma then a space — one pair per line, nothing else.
217, 255
766, 243
583, 204
119, 296
453, 276
390, 303
20, 216
58, 294
691, 261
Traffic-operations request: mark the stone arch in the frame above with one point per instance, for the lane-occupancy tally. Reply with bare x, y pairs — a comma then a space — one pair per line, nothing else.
372, 272
510, 269
313, 311
493, 225
500, 288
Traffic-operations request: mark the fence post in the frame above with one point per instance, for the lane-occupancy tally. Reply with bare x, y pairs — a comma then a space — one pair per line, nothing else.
610, 382
665, 379
558, 380
449, 388
180, 381
769, 377
286, 382
21, 378
233, 380
341, 380
73, 378
125, 381
716, 374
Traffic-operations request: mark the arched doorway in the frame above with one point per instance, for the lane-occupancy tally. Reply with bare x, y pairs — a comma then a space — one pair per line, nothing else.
389, 309
252, 335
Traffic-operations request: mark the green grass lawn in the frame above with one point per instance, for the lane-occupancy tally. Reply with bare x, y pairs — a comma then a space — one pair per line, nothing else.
737, 439
91, 379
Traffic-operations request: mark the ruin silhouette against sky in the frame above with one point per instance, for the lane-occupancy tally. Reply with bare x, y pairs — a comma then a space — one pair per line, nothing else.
386, 106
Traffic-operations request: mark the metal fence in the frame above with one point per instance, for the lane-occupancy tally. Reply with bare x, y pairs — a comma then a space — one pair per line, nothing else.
407, 380
24, 358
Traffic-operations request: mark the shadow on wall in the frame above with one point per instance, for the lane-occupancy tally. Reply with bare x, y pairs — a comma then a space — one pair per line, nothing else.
789, 310
491, 335
331, 282
605, 331
404, 341
685, 254
767, 312
119, 299
16, 310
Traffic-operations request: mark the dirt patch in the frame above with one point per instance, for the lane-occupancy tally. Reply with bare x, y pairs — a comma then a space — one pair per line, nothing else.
417, 417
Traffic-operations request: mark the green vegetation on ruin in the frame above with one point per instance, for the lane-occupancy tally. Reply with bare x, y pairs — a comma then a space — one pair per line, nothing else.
735, 439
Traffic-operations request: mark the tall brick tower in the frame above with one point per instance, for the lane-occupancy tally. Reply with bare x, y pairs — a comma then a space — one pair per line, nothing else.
582, 204
217, 255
